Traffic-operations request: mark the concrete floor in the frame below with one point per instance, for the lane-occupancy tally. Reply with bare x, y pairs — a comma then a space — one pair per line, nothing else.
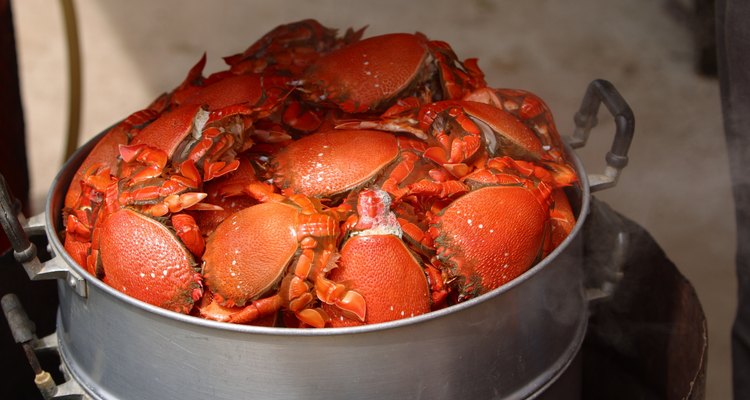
676, 185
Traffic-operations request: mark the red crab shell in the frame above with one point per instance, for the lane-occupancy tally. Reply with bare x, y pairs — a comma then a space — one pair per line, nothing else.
378, 265
490, 236
252, 259
386, 273
233, 90
169, 130
326, 164
366, 75
248, 253
145, 260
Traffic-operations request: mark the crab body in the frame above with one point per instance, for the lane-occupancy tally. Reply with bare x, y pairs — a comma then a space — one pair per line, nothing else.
378, 265
333, 163
490, 236
282, 246
144, 259
371, 74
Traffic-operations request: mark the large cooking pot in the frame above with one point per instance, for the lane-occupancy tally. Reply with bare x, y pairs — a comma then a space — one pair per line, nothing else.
518, 341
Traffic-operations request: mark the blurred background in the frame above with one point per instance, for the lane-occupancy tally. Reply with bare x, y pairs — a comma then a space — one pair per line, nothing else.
677, 183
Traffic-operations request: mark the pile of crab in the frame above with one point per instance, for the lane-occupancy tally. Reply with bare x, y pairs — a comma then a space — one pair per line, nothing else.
322, 180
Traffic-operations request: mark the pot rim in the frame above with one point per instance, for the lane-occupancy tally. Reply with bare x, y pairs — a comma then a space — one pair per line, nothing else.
60, 184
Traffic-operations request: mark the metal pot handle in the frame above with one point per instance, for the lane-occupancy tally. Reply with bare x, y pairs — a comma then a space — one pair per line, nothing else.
23, 249
24, 332
17, 228
601, 91
605, 232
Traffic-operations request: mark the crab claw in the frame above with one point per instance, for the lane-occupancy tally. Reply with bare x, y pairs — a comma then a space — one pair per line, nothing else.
187, 230
175, 203
346, 300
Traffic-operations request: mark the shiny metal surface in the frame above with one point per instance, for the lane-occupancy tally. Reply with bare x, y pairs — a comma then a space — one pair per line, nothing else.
512, 343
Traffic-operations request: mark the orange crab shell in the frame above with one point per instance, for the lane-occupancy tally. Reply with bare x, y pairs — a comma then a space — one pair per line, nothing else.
145, 260
367, 74
329, 163
490, 236
388, 276
248, 253
168, 131
237, 89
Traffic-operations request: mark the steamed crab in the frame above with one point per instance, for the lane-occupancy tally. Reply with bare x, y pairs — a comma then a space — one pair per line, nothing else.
323, 180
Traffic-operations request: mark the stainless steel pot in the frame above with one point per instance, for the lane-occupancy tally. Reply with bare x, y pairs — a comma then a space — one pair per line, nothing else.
518, 341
